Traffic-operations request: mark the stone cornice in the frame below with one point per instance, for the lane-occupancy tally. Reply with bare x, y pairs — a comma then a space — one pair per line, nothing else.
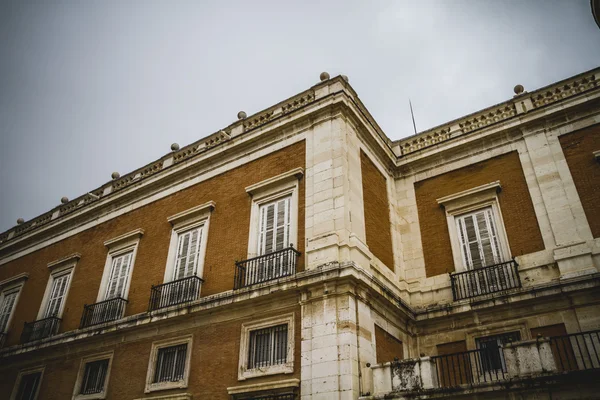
501, 113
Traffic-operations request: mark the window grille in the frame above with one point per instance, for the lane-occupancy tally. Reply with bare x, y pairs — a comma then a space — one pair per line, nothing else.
493, 357
28, 387
170, 364
268, 346
94, 377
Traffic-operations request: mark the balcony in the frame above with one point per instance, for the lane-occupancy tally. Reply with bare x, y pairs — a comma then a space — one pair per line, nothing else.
173, 293
486, 280
40, 329
514, 365
104, 311
266, 267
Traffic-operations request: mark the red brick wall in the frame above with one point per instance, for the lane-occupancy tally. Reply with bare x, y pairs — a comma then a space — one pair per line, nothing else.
377, 212
387, 346
227, 242
520, 222
585, 170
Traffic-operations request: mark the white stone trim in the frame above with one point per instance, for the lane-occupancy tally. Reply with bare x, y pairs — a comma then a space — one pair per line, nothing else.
120, 245
468, 201
124, 238
287, 368
285, 383
152, 387
195, 217
269, 190
291, 175
96, 357
192, 214
24, 372
71, 258
596, 155
178, 396
23, 276
57, 271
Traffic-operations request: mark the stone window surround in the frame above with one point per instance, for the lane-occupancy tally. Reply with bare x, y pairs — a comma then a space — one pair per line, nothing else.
84, 361
151, 386
63, 266
268, 190
468, 201
117, 246
184, 221
24, 372
11, 285
287, 368
492, 330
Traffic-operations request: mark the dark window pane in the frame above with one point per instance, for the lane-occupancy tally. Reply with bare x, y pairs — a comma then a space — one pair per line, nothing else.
28, 386
170, 364
94, 377
268, 346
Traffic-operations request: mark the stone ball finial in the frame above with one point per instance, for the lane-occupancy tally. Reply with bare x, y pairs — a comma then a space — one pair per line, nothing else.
345, 78
20, 221
324, 76
115, 175
175, 147
242, 115
519, 89
64, 199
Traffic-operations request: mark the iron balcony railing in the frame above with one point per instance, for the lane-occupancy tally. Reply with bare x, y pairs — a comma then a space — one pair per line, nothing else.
172, 293
467, 367
104, 311
266, 267
577, 351
40, 329
486, 280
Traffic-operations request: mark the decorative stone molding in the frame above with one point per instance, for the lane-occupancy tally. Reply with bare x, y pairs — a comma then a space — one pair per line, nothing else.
71, 258
421, 142
286, 383
488, 187
178, 396
14, 279
197, 148
126, 237
556, 93
257, 120
192, 213
290, 175
298, 102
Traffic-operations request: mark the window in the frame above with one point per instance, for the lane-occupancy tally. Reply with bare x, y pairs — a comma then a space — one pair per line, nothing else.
478, 239
92, 379
119, 275
274, 225
57, 294
267, 347
9, 295
188, 253
492, 356
169, 364
27, 386
188, 242
475, 227
274, 213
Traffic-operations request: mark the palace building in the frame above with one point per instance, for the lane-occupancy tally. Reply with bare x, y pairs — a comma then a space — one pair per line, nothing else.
299, 253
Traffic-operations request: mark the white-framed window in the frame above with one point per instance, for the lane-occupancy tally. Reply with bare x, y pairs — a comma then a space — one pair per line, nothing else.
169, 365
267, 347
57, 288
27, 385
119, 264
274, 213
10, 290
93, 377
476, 227
187, 248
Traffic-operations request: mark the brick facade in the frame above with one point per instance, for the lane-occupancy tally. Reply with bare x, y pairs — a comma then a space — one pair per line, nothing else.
520, 222
388, 347
377, 212
585, 169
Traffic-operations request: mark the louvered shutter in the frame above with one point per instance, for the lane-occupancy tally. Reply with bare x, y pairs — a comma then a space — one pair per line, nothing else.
119, 275
6, 307
57, 294
188, 253
478, 238
274, 228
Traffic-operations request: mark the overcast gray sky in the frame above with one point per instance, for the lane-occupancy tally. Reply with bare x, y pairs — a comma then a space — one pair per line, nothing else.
92, 87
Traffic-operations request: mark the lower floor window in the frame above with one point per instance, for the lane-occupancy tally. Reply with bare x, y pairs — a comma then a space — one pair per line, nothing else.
94, 377
268, 346
492, 357
170, 364
29, 386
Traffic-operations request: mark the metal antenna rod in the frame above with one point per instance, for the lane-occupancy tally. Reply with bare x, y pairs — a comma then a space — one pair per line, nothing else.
413, 116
